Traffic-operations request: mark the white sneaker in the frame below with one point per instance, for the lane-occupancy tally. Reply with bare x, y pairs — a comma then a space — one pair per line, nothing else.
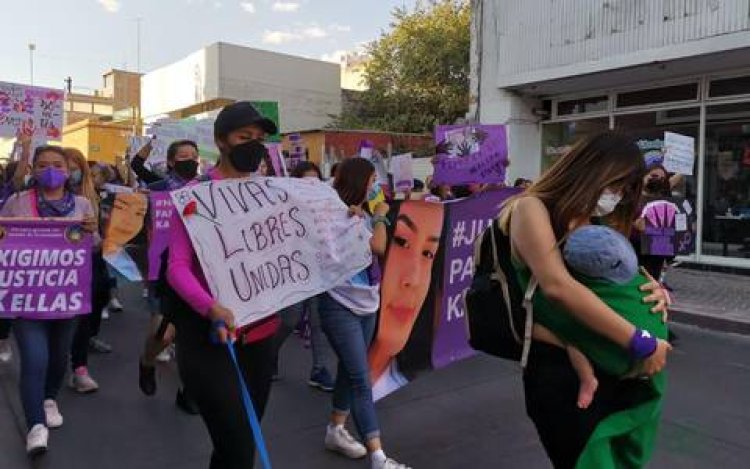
105, 312
165, 356
115, 305
340, 441
36, 440
388, 464
82, 381
52, 413
6, 352
145, 293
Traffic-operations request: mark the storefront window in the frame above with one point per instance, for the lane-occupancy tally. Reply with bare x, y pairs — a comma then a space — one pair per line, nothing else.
648, 128
726, 215
559, 137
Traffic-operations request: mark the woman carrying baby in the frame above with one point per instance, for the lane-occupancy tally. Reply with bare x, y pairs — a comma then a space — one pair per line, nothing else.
614, 328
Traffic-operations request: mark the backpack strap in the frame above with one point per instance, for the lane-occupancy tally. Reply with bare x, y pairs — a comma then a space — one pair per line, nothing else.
528, 305
499, 275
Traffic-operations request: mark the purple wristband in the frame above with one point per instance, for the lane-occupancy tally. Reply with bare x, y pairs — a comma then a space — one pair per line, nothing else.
642, 345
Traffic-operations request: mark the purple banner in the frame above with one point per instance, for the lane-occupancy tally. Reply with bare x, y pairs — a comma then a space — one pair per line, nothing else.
45, 269
473, 154
161, 213
467, 219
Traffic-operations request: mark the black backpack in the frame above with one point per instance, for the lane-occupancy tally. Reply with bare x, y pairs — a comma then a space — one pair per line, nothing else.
499, 314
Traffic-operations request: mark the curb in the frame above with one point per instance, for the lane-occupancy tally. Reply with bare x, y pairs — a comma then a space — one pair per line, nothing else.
714, 323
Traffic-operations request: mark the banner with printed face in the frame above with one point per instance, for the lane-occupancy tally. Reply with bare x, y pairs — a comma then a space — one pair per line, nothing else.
426, 271
37, 111
267, 243
470, 154
124, 213
45, 269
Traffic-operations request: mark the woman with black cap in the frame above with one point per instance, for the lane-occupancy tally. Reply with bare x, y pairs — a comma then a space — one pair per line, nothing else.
205, 367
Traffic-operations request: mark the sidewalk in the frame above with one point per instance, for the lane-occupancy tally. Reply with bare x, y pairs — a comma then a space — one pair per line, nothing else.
712, 300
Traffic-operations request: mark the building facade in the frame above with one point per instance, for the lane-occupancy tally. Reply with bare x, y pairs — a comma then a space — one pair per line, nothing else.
308, 91
555, 71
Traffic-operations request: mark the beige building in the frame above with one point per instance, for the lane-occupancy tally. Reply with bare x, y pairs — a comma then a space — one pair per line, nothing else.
120, 96
100, 123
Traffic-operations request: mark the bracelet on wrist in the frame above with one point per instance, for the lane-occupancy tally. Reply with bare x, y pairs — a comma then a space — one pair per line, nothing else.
380, 219
642, 345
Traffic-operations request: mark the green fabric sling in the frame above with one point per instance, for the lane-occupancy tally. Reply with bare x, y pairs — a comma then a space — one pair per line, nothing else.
626, 438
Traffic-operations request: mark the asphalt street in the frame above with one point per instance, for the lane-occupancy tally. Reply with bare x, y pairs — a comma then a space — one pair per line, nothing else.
470, 415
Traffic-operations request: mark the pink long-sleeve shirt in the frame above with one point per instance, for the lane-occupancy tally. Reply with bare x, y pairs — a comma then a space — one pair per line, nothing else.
186, 277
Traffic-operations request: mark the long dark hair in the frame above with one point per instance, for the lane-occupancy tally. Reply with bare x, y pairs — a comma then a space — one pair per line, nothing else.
571, 188
351, 180
305, 166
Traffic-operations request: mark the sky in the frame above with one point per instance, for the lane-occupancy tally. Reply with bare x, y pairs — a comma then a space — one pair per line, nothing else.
85, 38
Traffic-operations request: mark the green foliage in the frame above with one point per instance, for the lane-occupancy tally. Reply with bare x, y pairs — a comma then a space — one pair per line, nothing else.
418, 72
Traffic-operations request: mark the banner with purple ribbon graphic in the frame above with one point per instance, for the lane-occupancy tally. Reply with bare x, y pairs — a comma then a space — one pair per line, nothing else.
45, 269
470, 154
161, 213
669, 228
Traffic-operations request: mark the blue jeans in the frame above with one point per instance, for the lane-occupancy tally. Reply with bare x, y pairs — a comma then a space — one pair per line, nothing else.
43, 347
350, 336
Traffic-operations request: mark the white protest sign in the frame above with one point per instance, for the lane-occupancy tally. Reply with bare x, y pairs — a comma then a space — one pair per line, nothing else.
679, 153
136, 143
403, 173
166, 132
38, 111
267, 243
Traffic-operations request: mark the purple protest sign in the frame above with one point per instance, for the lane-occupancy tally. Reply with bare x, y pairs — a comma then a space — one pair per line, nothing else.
669, 228
161, 213
467, 219
45, 269
473, 154
277, 159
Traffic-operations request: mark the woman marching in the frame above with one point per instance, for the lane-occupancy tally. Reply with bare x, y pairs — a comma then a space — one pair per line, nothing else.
82, 184
348, 315
598, 181
44, 344
205, 367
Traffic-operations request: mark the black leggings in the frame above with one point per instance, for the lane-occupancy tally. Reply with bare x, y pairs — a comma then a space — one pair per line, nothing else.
551, 391
89, 325
5, 328
209, 377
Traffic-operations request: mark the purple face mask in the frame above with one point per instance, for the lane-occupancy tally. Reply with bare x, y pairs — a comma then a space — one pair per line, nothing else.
51, 178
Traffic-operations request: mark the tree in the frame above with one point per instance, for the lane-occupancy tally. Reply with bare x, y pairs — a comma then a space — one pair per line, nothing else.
418, 71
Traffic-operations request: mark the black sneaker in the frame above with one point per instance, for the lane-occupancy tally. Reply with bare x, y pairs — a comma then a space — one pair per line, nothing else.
147, 379
185, 403
322, 380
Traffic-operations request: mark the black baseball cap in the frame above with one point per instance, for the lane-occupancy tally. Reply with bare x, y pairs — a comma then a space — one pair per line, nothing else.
241, 114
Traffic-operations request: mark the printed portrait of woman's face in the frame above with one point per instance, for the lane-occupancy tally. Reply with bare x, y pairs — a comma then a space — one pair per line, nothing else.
407, 274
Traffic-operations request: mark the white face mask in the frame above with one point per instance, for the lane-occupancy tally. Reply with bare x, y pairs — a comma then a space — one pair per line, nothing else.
607, 204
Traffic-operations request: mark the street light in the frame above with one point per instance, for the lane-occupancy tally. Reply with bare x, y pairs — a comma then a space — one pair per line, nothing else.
32, 48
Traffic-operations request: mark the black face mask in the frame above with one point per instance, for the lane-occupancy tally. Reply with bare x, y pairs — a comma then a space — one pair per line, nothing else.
186, 169
657, 186
246, 157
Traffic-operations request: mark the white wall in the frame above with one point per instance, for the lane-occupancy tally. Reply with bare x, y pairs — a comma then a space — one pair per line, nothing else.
535, 45
541, 40
308, 91
492, 105
184, 83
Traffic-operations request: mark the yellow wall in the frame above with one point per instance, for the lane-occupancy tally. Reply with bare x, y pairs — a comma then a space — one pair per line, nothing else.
313, 141
98, 141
